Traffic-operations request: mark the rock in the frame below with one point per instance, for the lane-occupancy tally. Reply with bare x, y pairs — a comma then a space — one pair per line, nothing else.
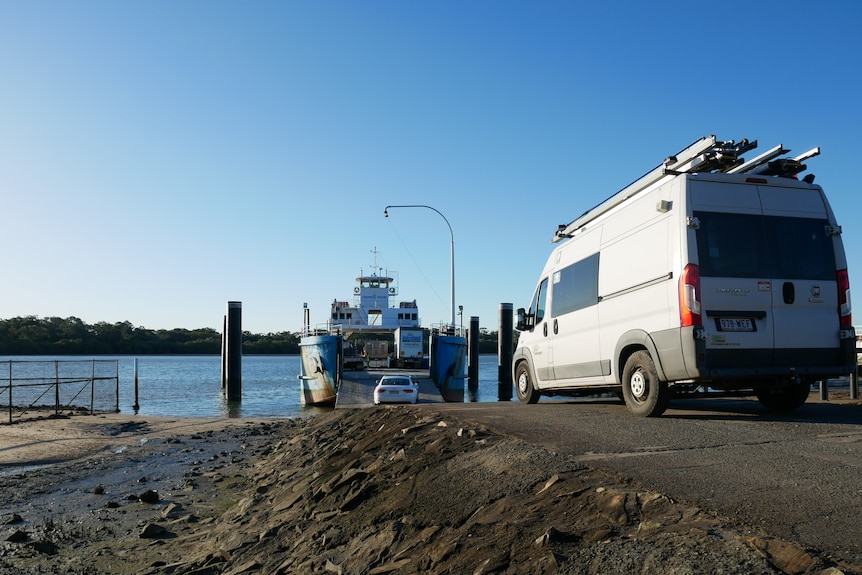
152, 530
45, 547
245, 568
14, 518
495, 564
612, 506
553, 535
149, 496
99, 490
111, 505
549, 483
355, 497
789, 558
18, 536
172, 511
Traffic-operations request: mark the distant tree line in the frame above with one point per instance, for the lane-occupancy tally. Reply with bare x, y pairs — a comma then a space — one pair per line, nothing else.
32, 335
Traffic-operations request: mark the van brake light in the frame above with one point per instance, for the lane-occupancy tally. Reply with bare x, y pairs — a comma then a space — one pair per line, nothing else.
844, 308
689, 294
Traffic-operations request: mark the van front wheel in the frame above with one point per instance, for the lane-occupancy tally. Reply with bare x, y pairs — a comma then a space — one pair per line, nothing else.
524, 385
643, 393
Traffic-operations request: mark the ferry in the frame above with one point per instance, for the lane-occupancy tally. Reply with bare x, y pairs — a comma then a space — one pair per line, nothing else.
323, 349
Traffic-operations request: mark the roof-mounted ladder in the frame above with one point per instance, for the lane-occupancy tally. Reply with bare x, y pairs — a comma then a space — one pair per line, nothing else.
786, 167
759, 160
705, 155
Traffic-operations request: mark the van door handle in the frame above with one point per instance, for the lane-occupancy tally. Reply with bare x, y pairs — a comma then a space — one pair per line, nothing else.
789, 293
556, 327
545, 329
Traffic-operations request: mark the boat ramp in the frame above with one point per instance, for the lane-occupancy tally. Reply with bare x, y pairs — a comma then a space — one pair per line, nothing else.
357, 388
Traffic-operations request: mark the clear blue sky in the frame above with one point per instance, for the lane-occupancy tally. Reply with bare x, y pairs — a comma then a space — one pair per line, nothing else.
160, 158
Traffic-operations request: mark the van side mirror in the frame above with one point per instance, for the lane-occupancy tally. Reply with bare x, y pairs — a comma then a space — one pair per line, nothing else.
522, 320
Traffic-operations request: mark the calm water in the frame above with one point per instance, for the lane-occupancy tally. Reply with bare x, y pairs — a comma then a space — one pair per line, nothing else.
190, 386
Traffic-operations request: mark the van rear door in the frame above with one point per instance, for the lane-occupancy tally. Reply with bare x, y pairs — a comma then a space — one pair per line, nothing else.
768, 274
736, 288
801, 243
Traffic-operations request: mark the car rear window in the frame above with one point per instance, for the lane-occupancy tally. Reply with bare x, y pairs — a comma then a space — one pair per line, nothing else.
396, 381
753, 246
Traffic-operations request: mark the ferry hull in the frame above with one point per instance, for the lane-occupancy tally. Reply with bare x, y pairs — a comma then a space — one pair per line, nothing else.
320, 369
449, 366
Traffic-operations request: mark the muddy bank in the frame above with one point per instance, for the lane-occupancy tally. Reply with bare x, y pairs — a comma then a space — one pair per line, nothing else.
390, 490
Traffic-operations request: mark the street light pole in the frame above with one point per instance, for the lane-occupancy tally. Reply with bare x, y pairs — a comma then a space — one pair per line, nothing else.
451, 254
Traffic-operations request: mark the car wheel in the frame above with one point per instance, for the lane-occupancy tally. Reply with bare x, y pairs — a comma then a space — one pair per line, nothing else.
783, 397
524, 384
644, 394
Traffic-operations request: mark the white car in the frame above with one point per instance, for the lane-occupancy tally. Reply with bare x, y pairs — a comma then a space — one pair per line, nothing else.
396, 389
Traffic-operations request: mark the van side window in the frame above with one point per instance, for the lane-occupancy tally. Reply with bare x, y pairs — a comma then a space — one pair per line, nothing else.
540, 298
576, 286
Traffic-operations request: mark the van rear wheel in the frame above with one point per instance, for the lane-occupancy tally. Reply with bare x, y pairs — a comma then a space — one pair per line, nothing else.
786, 397
644, 394
524, 385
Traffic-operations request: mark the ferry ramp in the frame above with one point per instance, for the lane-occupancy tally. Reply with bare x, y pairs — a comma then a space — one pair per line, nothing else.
357, 387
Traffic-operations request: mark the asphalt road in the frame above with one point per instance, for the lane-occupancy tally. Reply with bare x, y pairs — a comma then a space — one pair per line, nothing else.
796, 476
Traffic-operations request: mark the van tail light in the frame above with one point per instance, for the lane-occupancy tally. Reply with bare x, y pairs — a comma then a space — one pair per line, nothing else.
844, 308
689, 296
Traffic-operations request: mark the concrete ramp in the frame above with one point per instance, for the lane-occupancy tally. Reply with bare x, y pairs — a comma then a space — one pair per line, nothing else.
357, 387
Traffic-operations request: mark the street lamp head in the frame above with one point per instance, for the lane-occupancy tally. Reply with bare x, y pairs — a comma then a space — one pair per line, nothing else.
385, 213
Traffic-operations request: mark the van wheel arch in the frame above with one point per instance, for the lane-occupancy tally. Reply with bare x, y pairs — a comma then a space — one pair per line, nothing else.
631, 342
525, 385
644, 392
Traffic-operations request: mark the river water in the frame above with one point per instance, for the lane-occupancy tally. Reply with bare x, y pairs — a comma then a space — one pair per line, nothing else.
189, 386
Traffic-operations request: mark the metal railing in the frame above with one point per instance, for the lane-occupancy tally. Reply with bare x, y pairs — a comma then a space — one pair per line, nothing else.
29, 385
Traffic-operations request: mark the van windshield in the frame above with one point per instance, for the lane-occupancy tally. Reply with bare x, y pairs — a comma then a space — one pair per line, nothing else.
754, 246
537, 306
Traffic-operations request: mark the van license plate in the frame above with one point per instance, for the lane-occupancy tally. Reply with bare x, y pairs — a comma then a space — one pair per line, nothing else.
735, 324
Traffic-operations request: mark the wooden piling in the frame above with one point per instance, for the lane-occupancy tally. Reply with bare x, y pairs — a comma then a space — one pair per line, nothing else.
137, 405
232, 352
505, 351
473, 351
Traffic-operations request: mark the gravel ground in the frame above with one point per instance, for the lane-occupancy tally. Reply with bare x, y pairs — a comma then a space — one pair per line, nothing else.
388, 490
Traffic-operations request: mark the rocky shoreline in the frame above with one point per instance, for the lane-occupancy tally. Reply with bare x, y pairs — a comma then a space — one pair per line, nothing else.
390, 490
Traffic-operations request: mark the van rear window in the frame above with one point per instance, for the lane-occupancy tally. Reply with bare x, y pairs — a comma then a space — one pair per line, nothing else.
753, 246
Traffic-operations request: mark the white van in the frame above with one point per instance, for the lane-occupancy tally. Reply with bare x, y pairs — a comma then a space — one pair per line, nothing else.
707, 275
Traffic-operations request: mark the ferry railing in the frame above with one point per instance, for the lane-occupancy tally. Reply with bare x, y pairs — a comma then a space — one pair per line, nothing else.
28, 385
449, 329
322, 329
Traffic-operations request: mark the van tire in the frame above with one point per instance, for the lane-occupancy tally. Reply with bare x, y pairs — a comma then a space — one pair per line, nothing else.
524, 385
783, 398
644, 394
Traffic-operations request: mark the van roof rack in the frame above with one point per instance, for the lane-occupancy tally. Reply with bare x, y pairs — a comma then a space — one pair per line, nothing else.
703, 156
